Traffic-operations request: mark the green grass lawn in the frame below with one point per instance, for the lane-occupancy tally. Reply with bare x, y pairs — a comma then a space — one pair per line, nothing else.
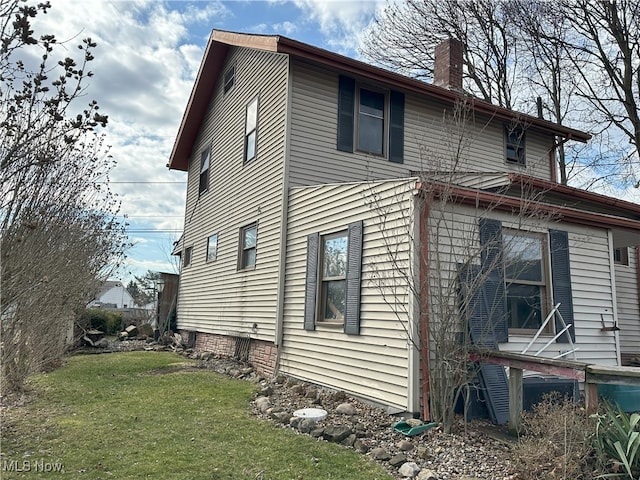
131, 415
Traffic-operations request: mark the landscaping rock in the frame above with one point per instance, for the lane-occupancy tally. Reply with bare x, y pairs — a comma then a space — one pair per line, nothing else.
427, 474
397, 460
297, 389
306, 425
263, 404
336, 433
131, 330
281, 417
404, 445
409, 469
346, 409
349, 441
101, 343
266, 391
312, 393
380, 454
294, 422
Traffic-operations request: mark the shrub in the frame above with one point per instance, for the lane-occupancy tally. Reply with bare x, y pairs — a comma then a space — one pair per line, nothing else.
108, 322
617, 441
555, 442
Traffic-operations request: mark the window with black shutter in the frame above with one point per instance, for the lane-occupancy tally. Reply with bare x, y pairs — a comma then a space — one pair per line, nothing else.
332, 291
517, 289
370, 120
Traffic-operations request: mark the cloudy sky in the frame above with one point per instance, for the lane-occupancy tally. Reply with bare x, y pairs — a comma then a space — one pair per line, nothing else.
147, 57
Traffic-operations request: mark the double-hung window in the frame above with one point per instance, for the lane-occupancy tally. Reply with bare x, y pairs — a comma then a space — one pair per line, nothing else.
204, 171
251, 131
521, 275
212, 247
186, 260
333, 279
525, 260
333, 276
248, 245
370, 120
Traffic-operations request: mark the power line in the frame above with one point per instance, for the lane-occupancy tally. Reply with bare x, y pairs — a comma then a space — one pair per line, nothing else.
144, 182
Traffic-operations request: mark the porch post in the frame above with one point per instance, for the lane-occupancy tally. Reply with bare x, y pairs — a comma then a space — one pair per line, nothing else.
515, 399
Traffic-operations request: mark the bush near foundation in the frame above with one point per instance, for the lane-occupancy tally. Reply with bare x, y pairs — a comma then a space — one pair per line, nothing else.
556, 442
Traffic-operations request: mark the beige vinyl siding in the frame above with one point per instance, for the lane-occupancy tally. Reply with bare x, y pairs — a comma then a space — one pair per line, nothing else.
374, 364
314, 136
214, 296
590, 276
627, 291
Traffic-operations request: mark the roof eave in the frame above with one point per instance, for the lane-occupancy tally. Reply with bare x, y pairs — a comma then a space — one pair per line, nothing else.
220, 41
483, 199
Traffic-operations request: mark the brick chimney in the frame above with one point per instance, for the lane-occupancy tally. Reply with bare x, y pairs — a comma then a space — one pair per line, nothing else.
447, 68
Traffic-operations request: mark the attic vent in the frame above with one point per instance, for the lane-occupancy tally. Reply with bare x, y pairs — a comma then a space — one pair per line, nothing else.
241, 352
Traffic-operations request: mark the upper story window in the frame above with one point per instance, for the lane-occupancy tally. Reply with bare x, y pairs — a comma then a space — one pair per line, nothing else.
186, 260
229, 79
204, 171
621, 256
212, 247
370, 120
248, 245
525, 260
515, 144
251, 130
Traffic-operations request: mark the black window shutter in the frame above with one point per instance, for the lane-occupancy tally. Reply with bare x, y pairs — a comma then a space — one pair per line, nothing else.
346, 109
311, 286
493, 284
561, 278
354, 269
472, 307
493, 379
396, 127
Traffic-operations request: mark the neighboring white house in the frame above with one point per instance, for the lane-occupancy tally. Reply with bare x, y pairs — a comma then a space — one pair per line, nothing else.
326, 199
112, 294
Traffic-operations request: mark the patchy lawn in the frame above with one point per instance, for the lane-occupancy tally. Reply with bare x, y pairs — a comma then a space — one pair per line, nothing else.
148, 415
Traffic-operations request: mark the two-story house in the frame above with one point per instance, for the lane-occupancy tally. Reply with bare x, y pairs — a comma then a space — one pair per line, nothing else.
333, 207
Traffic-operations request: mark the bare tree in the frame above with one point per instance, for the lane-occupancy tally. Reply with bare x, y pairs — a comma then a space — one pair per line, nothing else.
581, 57
58, 221
545, 69
606, 50
404, 36
448, 279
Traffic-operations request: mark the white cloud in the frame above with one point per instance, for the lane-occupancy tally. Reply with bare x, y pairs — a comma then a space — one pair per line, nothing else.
287, 28
144, 68
341, 22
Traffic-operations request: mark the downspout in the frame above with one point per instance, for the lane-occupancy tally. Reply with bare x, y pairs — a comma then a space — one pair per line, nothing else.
637, 247
614, 296
423, 317
282, 255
